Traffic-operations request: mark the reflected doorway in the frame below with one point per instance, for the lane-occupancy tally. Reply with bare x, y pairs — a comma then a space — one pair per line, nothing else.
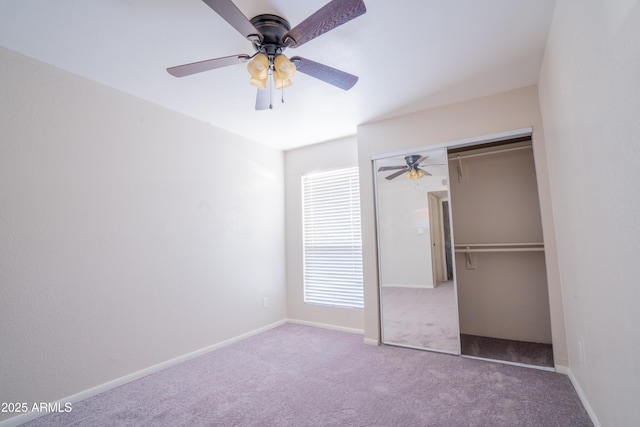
448, 249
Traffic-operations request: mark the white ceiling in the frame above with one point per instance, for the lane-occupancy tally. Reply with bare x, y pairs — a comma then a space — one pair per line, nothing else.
409, 55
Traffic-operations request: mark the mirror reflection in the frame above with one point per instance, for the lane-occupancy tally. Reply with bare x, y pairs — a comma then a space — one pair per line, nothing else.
417, 291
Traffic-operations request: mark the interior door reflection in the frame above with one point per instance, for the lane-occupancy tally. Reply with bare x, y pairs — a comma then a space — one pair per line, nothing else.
418, 300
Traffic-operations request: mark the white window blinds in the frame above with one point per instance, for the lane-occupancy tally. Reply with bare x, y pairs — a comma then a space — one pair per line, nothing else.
332, 241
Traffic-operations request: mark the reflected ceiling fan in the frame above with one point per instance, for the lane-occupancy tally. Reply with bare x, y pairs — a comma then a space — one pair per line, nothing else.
270, 36
413, 169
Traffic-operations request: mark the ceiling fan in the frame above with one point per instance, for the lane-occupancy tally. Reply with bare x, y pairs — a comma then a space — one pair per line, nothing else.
413, 169
270, 36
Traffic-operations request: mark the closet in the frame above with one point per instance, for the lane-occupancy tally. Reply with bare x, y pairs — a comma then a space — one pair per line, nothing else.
461, 261
503, 302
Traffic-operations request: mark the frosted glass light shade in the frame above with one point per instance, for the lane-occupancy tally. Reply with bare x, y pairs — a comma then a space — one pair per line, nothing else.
283, 68
259, 83
258, 67
415, 174
280, 83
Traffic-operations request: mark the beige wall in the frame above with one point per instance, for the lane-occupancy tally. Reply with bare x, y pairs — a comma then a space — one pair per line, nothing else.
336, 154
503, 112
590, 102
129, 235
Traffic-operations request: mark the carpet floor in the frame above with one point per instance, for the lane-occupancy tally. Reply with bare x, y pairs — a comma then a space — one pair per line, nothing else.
528, 353
421, 318
297, 375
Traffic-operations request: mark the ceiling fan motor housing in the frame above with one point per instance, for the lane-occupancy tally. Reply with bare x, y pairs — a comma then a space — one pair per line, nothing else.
273, 28
412, 160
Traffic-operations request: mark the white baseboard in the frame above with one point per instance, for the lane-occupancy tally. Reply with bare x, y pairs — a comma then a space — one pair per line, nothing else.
506, 362
326, 326
28, 416
367, 341
583, 399
564, 370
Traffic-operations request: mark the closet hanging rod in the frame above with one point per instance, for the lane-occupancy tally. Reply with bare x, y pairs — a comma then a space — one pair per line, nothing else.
455, 156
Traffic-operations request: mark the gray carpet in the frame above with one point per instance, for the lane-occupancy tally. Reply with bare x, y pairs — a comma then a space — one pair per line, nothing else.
528, 353
303, 376
419, 317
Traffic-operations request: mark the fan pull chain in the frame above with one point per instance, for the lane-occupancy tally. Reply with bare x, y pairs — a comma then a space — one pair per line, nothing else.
270, 88
282, 99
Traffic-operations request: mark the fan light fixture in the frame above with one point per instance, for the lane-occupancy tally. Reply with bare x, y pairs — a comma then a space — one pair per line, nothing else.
415, 174
261, 66
259, 70
283, 71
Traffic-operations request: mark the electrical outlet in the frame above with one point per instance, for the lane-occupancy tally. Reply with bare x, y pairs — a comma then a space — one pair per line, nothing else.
265, 302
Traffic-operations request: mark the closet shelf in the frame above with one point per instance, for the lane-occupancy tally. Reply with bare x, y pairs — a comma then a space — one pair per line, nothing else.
500, 247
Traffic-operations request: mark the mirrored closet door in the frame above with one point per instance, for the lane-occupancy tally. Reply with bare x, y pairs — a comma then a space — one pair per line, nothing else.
417, 288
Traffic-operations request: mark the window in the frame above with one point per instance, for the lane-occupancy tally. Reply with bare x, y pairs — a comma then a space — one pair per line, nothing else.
332, 242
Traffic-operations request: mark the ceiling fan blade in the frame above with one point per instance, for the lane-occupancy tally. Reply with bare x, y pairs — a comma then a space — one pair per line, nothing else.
420, 160
397, 174
209, 64
263, 99
230, 13
424, 171
325, 73
390, 168
330, 16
